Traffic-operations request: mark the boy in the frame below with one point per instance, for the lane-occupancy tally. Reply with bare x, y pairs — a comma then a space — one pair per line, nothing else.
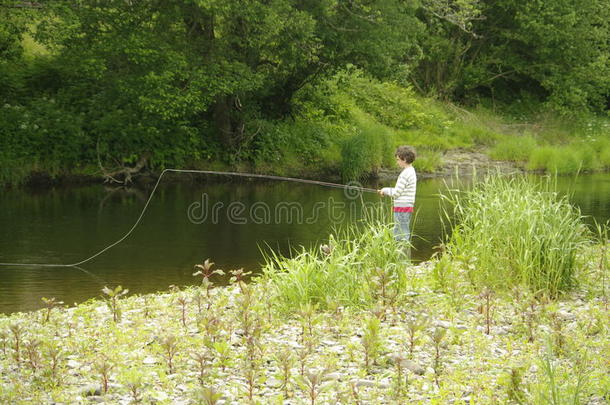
403, 193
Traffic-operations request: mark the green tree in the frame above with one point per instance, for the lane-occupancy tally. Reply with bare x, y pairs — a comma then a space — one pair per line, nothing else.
554, 51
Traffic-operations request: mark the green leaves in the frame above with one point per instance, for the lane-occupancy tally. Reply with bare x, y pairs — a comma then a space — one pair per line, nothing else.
113, 300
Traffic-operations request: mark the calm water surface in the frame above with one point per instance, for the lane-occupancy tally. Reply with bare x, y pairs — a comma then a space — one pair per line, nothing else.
229, 222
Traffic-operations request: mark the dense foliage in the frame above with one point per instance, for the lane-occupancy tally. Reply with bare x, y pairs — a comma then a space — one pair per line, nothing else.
99, 85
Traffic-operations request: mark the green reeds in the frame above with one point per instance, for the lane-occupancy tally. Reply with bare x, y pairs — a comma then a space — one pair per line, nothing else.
512, 231
341, 272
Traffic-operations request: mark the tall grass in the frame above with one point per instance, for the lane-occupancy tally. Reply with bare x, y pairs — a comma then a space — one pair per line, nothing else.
569, 159
364, 152
428, 162
514, 148
512, 231
345, 274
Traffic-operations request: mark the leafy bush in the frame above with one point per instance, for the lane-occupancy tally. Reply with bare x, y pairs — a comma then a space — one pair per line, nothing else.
295, 146
371, 146
542, 158
389, 103
482, 136
41, 136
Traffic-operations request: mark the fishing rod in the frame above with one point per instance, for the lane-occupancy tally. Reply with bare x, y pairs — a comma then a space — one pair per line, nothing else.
236, 174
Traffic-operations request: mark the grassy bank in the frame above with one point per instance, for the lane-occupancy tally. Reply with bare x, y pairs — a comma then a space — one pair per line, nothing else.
347, 125
352, 322
351, 124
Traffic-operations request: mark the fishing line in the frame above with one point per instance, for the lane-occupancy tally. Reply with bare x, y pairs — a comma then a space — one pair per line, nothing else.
237, 174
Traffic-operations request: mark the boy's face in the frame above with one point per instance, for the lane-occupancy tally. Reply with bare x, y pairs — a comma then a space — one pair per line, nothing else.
400, 162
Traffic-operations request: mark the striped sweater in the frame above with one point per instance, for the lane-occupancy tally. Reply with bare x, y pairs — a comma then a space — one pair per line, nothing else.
404, 191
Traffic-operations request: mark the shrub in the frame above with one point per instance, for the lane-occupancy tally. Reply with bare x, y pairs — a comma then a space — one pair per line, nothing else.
293, 146
371, 147
41, 136
602, 147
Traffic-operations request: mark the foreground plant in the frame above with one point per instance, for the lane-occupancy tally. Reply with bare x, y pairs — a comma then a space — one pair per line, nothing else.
529, 315
343, 275
203, 359
33, 354
4, 339
401, 379
113, 297
103, 367
49, 304
206, 273
557, 386
285, 361
603, 232
486, 308
308, 318
134, 381
239, 277
371, 341
55, 356
223, 353
415, 326
314, 383
437, 339
169, 348
514, 385
183, 301
208, 396
253, 375
383, 283
18, 331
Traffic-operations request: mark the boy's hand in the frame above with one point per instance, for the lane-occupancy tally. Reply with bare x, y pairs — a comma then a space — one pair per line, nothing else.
380, 192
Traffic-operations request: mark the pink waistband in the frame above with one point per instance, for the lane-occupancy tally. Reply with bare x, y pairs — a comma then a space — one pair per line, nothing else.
403, 209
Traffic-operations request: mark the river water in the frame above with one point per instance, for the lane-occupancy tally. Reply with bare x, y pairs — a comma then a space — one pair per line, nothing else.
227, 221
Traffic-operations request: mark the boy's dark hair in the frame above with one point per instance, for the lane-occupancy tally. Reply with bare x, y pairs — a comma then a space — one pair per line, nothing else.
405, 153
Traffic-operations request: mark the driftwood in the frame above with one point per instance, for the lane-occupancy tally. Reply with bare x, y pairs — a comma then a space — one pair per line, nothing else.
125, 173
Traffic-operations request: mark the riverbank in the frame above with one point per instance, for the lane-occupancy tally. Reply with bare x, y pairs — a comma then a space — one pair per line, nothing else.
347, 134
231, 345
459, 162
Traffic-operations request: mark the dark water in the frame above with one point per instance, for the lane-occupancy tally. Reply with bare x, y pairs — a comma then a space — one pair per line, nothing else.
66, 225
